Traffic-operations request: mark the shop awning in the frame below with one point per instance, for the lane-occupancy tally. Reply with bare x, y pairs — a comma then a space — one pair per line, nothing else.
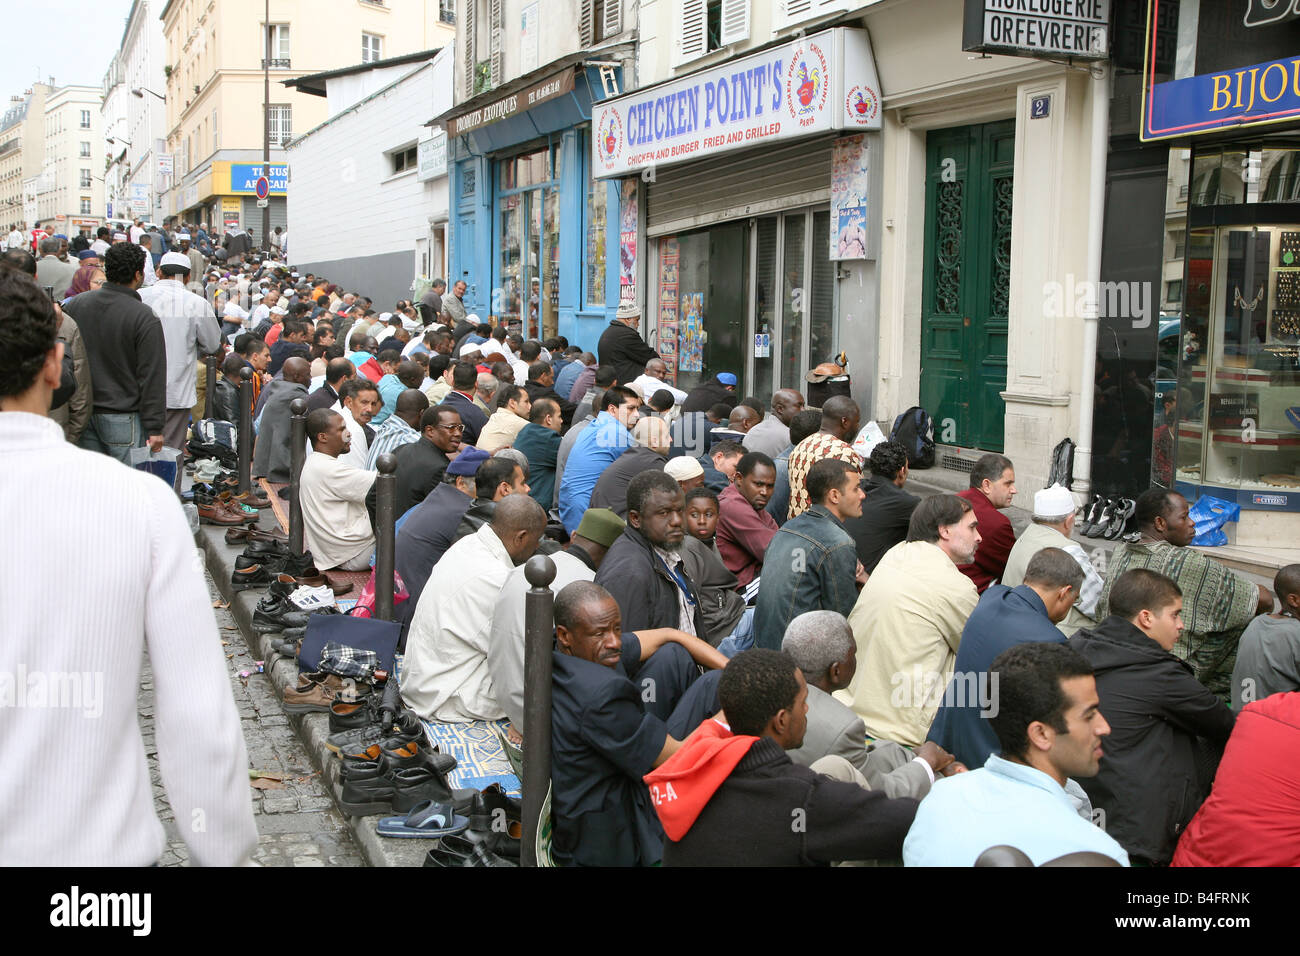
556, 79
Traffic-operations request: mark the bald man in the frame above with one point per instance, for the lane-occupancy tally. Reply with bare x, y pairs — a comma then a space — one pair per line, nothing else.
446, 674
271, 456
650, 452
771, 436
655, 378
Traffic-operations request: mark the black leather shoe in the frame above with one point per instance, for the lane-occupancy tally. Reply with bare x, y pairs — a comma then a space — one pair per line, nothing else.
249, 576
364, 795
351, 715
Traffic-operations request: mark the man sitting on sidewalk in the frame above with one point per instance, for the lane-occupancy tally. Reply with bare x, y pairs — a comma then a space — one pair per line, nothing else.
1218, 603
1053, 520
992, 486
336, 525
731, 796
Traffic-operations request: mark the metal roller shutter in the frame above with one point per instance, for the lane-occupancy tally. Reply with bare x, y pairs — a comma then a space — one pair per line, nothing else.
250, 215
739, 185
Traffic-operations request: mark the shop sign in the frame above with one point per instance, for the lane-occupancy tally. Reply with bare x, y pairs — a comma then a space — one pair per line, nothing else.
244, 177
813, 84
432, 157
1246, 96
507, 106
1038, 28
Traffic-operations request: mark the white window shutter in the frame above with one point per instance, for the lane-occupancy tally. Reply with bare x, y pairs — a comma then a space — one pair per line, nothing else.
496, 41
790, 12
613, 25
692, 38
735, 21
586, 25
466, 32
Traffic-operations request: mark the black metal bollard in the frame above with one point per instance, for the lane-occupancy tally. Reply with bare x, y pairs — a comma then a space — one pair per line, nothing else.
210, 388
245, 429
297, 455
539, 631
385, 535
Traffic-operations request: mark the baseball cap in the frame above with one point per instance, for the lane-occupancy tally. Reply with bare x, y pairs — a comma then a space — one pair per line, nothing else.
467, 462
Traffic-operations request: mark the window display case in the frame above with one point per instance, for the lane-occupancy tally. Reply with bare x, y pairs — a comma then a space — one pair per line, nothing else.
1236, 408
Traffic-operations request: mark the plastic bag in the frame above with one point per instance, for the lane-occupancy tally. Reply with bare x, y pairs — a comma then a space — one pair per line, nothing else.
1210, 514
365, 606
165, 463
868, 438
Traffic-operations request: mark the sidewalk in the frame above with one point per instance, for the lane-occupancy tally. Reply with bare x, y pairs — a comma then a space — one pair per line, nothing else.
311, 729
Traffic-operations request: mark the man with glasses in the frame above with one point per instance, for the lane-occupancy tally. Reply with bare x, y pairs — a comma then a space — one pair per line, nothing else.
421, 463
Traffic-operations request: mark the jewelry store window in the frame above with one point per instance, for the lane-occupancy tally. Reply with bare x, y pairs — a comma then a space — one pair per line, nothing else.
1232, 423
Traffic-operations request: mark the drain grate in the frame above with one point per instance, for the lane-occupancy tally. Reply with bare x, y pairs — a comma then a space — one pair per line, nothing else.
955, 463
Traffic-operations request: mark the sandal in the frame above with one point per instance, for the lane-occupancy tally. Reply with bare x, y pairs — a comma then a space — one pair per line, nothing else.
427, 819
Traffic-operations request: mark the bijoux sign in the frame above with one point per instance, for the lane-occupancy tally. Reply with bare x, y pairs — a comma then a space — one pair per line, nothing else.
812, 85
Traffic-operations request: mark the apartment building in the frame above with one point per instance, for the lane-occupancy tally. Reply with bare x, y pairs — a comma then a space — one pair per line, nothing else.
70, 196
22, 151
135, 118
215, 54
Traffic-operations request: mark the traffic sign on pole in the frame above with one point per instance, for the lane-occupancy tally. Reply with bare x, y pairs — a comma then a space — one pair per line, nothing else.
263, 187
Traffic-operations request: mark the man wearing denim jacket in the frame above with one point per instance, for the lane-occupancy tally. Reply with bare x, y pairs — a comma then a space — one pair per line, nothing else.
811, 564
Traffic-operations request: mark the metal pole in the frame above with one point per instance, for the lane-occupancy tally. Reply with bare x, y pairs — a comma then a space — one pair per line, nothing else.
245, 429
266, 129
539, 631
210, 389
297, 455
385, 542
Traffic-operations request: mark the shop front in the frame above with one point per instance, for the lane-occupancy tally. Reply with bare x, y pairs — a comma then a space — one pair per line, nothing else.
225, 196
1227, 409
751, 192
532, 231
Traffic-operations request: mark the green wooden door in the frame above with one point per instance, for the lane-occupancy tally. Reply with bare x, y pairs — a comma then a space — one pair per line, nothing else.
967, 275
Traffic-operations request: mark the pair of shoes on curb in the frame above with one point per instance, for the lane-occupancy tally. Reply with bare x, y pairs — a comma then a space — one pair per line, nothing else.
396, 782
315, 693
1107, 517
240, 535
221, 510
471, 848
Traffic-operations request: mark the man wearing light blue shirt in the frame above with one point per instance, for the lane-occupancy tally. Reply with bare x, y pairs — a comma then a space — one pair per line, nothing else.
1045, 711
600, 443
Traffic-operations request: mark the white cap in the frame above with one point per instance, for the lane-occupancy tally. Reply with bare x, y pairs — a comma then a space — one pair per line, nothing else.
279, 310
174, 262
683, 469
1053, 502
182, 236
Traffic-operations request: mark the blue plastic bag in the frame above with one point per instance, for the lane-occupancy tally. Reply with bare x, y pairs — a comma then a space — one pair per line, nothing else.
1210, 514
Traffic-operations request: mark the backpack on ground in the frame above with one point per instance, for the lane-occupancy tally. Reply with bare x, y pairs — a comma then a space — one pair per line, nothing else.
915, 431
1062, 471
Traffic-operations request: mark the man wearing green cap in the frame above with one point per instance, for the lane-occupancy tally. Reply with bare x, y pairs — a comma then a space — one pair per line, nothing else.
598, 529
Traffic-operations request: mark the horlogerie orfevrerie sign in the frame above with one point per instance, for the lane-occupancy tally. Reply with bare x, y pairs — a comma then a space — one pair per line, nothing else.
1042, 28
814, 84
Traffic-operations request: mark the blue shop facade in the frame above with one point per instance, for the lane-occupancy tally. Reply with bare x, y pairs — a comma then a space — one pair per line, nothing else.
534, 235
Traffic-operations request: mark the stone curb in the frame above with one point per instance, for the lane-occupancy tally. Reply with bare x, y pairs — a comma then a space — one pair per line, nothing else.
312, 729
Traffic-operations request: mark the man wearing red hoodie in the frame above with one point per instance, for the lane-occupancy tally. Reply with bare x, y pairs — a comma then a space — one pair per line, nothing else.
621, 705
730, 795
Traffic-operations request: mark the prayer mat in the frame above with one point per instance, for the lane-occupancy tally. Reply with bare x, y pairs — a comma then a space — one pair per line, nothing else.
280, 506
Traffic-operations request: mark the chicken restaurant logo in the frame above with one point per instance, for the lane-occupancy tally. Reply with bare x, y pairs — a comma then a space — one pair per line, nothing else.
807, 83
609, 137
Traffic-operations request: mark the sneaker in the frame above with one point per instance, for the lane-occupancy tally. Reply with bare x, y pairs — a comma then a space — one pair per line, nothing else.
275, 613
312, 599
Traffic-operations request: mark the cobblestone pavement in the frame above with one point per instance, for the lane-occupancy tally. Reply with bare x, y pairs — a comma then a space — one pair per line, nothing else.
297, 824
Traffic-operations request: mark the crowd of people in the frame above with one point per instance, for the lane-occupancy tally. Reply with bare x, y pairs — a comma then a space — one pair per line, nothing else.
754, 624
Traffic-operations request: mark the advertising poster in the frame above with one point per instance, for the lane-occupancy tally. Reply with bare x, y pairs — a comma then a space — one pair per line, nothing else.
691, 353
849, 185
627, 217
669, 255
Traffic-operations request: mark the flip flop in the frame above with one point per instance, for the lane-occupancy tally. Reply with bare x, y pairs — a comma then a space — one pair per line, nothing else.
425, 821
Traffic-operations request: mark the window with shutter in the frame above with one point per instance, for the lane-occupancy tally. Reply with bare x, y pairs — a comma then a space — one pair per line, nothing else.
587, 11
692, 38
735, 21
496, 40
613, 19
467, 38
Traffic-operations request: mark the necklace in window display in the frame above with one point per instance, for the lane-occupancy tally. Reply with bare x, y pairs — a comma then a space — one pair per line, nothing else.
1238, 301
1286, 326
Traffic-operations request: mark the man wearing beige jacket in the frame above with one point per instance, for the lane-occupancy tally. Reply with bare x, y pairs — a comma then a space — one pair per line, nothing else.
909, 618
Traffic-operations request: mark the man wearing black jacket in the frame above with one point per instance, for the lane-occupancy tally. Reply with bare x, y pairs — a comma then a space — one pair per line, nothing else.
338, 371
737, 798
1167, 730
644, 570
621, 344
421, 463
128, 358
886, 509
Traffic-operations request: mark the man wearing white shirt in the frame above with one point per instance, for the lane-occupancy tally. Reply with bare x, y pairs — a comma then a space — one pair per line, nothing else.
445, 676
654, 379
140, 586
16, 239
150, 270
188, 329
358, 403
336, 525
262, 311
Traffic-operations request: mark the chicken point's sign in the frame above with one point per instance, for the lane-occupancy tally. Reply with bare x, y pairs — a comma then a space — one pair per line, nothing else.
812, 85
